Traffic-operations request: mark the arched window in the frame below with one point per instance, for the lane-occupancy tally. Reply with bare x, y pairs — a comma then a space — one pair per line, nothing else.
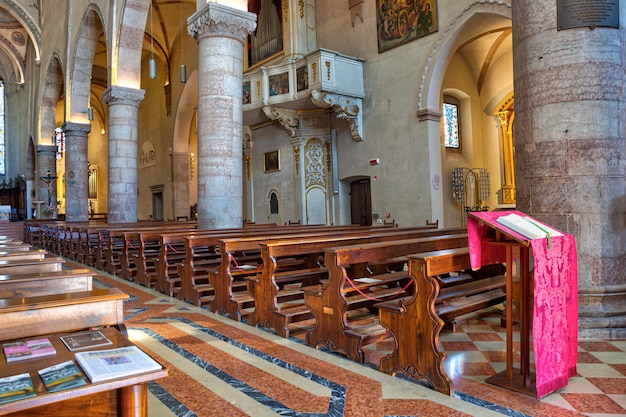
451, 122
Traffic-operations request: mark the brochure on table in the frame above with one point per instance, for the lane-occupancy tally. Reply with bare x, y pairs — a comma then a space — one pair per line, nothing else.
104, 365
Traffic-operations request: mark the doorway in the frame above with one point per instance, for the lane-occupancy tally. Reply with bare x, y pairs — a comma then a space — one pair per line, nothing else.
361, 202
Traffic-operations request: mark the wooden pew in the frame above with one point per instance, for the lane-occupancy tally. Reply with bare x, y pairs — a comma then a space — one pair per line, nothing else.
193, 272
42, 283
44, 314
266, 287
416, 322
111, 241
228, 284
13, 255
291, 270
342, 292
46, 264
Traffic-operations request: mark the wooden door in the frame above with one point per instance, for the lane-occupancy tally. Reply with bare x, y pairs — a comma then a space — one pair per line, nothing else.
360, 202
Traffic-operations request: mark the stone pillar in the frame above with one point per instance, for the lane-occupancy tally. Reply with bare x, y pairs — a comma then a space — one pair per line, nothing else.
123, 108
570, 147
220, 32
181, 171
46, 162
76, 172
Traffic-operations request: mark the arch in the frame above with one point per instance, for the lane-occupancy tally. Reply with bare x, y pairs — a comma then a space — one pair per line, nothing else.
129, 46
90, 30
17, 10
444, 49
274, 207
50, 96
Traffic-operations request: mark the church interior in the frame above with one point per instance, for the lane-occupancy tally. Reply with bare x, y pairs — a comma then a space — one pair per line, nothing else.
389, 124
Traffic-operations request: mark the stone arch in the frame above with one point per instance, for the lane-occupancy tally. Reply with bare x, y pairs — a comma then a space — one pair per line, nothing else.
183, 125
131, 33
444, 49
90, 30
50, 96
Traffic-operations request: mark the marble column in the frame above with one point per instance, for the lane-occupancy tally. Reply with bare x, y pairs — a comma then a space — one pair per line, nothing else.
570, 147
220, 32
123, 108
46, 162
76, 172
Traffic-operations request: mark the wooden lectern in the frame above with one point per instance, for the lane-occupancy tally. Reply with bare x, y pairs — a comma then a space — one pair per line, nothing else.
549, 318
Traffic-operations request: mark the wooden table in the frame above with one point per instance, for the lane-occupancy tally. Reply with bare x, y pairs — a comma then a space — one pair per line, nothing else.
126, 397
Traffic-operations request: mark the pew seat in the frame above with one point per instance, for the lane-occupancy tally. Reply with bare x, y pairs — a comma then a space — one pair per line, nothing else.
42, 283
66, 312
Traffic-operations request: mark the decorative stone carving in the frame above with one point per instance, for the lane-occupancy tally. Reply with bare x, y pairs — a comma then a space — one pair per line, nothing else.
347, 108
123, 95
218, 20
289, 119
315, 173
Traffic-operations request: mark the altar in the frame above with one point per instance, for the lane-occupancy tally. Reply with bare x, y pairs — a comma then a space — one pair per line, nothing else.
548, 277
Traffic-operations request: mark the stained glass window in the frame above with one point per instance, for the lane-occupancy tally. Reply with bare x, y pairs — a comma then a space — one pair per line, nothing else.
2, 164
451, 127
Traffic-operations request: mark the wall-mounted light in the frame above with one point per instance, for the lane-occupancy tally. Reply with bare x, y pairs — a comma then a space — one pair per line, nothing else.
90, 113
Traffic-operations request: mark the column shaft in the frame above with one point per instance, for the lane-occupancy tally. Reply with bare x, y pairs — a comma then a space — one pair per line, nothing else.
570, 147
76, 172
123, 109
220, 32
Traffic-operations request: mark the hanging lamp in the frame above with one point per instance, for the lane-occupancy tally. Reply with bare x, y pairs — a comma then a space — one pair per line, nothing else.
152, 61
183, 68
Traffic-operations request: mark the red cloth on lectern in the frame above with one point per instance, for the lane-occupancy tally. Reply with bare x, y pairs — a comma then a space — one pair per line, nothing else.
555, 313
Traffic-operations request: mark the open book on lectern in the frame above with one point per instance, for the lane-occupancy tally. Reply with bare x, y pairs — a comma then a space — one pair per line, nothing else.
527, 226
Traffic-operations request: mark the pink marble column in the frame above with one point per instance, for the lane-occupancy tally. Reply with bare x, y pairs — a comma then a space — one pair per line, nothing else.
570, 146
76, 172
220, 32
123, 108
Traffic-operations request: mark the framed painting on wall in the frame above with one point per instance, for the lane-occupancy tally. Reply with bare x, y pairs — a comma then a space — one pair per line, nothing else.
271, 161
401, 21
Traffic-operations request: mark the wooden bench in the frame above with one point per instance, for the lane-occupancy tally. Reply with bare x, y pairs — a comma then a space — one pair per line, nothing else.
46, 264
230, 286
416, 322
205, 282
347, 265
13, 255
266, 287
41, 283
44, 314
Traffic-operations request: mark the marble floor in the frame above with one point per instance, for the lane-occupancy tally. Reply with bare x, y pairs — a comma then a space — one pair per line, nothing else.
218, 367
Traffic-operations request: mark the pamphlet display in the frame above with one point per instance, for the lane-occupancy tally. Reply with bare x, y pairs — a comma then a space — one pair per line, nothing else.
84, 340
16, 387
62, 376
104, 365
28, 349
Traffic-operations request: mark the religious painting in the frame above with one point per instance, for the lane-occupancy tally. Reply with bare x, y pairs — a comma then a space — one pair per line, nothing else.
302, 79
279, 84
271, 161
401, 21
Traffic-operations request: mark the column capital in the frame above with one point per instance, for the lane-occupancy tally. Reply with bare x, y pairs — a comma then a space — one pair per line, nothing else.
219, 20
123, 95
44, 149
76, 129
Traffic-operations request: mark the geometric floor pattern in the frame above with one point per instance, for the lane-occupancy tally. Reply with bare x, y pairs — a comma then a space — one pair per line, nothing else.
218, 367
